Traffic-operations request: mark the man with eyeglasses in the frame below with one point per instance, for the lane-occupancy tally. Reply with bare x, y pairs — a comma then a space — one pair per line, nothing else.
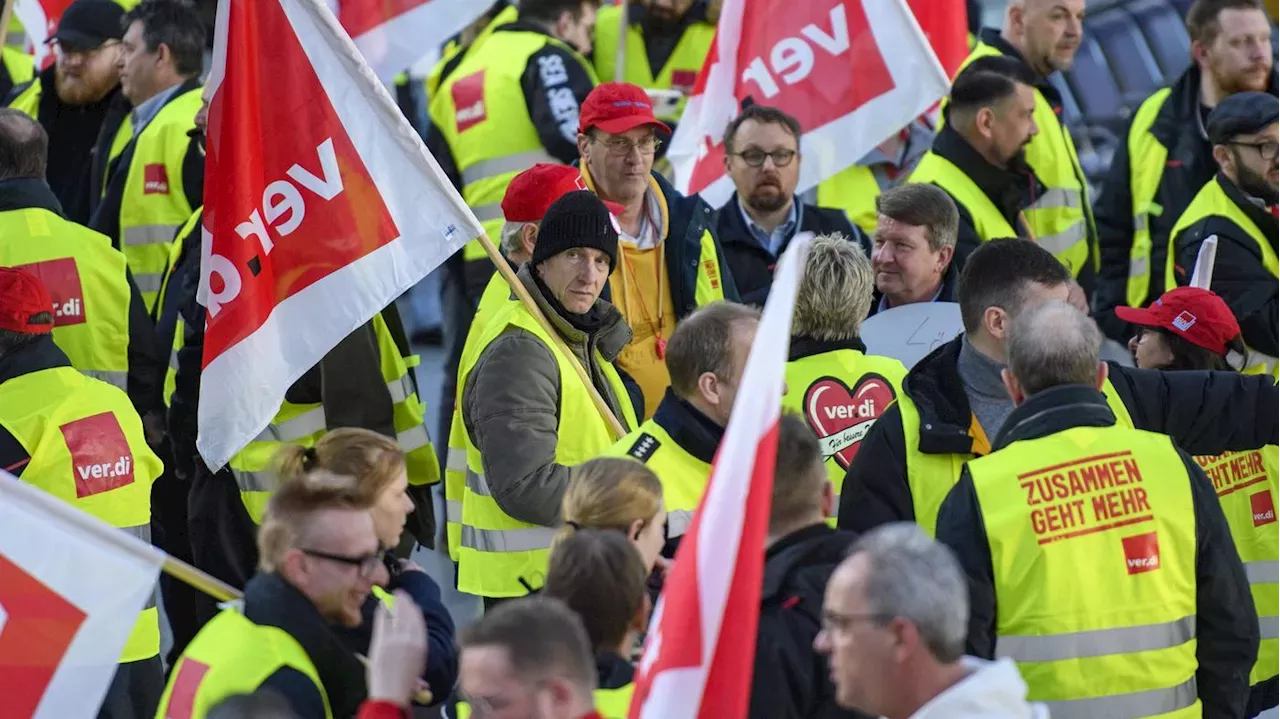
77, 97
1239, 206
669, 260
762, 156
320, 559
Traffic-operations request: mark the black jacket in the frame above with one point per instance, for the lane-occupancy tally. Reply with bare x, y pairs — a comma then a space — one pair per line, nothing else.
1226, 625
40, 354
74, 133
1203, 412
1011, 191
751, 264
1238, 274
791, 680
146, 376
547, 94
1179, 126
105, 200
271, 601
180, 303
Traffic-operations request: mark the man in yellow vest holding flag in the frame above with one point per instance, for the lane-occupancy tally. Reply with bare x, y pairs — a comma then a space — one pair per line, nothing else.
1119, 589
1043, 36
154, 177
80, 440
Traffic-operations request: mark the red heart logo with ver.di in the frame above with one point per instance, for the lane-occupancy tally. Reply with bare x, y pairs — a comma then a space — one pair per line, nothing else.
842, 417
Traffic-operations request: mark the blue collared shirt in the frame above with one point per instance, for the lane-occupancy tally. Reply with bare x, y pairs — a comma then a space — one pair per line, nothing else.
772, 241
143, 114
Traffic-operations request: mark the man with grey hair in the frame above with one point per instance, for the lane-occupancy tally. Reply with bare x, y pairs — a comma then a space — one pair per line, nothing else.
706, 357
831, 381
914, 247
893, 626
1119, 589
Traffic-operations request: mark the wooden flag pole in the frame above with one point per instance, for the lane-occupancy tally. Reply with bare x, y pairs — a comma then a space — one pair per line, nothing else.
522, 293
6, 13
620, 56
206, 583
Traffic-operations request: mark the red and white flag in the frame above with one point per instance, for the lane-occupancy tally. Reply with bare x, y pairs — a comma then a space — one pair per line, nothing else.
322, 206
853, 72
39, 20
71, 587
700, 652
394, 34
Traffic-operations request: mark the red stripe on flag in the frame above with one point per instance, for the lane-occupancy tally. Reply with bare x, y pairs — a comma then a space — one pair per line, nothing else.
360, 16
39, 628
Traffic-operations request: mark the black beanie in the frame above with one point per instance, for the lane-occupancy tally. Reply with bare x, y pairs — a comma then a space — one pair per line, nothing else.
577, 219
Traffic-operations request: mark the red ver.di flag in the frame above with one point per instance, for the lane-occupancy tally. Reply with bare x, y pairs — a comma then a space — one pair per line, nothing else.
322, 206
71, 587
701, 649
394, 34
853, 72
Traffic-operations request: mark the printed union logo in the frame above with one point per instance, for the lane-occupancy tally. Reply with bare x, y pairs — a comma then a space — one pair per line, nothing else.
1141, 553
62, 278
1264, 508
155, 180
100, 456
468, 101
1184, 320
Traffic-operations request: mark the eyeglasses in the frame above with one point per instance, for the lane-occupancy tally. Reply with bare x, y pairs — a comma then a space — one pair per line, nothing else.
621, 146
367, 564
1268, 149
834, 621
755, 157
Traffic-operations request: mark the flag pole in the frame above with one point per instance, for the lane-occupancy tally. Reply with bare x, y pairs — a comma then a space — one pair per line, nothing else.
522, 293
620, 55
5, 14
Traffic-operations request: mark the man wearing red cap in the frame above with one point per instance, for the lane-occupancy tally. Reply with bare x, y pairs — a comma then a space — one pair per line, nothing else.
669, 260
80, 440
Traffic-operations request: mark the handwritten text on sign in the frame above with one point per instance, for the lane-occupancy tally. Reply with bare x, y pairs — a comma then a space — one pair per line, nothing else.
1085, 496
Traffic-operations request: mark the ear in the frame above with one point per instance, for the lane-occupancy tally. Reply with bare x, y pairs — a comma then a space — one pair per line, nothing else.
1102, 375
293, 568
583, 142
996, 321
709, 387
983, 120
944, 256
828, 498
1222, 155
634, 529
1200, 54
906, 639
1012, 387
528, 238
559, 694
163, 54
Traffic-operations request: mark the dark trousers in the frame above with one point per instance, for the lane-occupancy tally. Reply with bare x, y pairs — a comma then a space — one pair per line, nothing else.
223, 537
135, 690
169, 533
460, 294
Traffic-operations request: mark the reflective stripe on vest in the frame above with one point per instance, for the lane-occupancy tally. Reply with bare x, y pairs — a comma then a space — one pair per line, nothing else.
682, 65
1051, 154
88, 282
1147, 157
154, 202
495, 139
232, 656
1213, 201
684, 477
1103, 516
56, 414
496, 551
930, 477
840, 394
1245, 483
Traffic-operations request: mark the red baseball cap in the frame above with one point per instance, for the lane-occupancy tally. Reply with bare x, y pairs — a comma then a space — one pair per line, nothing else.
1194, 314
537, 188
616, 107
22, 296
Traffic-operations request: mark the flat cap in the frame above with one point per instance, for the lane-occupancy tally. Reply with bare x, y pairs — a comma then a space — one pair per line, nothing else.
1241, 114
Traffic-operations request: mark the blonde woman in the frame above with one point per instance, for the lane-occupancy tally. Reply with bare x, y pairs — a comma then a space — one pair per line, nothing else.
621, 494
375, 463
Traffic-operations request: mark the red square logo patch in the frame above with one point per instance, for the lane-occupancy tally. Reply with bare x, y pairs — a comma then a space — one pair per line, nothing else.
62, 278
1141, 553
182, 700
1264, 508
155, 180
100, 457
468, 101
684, 80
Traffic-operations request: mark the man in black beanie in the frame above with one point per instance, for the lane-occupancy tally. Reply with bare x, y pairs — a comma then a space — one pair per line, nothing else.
528, 417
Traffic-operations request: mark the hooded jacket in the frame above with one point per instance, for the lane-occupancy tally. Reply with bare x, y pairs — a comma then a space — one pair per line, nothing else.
992, 690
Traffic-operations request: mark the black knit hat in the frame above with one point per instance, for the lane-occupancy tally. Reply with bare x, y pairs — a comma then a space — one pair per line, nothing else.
577, 219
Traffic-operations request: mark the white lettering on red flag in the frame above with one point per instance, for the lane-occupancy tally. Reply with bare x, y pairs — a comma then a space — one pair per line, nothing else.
321, 207
700, 653
852, 72
71, 587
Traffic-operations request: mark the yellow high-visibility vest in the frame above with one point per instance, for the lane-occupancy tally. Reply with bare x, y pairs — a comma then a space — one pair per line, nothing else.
988, 222
680, 71
1147, 156
854, 190
684, 477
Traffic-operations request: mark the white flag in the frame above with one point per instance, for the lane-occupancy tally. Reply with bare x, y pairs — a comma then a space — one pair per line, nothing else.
322, 206
394, 34
71, 587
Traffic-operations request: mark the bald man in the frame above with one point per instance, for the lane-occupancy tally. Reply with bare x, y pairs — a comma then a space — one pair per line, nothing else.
1119, 588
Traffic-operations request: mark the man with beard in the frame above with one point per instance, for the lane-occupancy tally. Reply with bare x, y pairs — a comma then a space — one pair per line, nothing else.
78, 99
667, 42
762, 155
1239, 206
1042, 36
978, 159
1168, 157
